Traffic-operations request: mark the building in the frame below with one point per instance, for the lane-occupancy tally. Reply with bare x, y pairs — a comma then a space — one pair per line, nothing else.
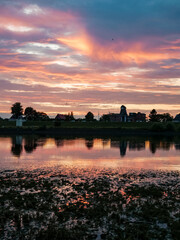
60, 117
124, 117
123, 114
118, 117
113, 117
177, 118
137, 117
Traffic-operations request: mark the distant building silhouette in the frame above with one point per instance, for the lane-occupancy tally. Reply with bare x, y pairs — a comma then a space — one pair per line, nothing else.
120, 117
137, 117
61, 117
124, 117
177, 118
123, 114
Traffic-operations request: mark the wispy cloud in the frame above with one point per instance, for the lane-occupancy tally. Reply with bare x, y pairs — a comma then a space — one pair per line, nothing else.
89, 55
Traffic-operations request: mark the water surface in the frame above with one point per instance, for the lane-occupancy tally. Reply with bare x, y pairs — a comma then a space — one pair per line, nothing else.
129, 152
55, 188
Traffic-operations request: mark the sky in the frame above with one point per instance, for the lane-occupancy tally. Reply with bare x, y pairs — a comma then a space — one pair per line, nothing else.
59, 56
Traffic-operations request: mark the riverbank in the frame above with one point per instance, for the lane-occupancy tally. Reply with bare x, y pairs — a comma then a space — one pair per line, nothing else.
79, 203
83, 132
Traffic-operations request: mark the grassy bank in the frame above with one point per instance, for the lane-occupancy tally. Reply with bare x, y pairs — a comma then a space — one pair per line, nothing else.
95, 125
65, 203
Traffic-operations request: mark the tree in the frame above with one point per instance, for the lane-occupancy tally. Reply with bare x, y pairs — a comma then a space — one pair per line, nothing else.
70, 116
17, 110
165, 117
105, 117
42, 116
30, 113
153, 116
89, 116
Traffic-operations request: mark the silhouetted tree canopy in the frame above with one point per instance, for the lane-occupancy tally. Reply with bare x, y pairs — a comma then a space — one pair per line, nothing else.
164, 117
42, 116
28, 110
30, 113
89, 116
70, 117
17, 110
105, 118
153, 116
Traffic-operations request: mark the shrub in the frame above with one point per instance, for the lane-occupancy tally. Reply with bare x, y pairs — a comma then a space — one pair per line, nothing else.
42, 128
170, 127
57, 123
178, 128
157, 127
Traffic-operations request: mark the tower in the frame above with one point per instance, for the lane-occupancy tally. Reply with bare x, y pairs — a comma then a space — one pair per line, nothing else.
123, 114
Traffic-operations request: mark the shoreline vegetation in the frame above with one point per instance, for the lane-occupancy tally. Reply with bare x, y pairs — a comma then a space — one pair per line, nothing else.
90, 128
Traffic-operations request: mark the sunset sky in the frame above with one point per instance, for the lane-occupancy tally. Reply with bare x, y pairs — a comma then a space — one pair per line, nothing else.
59, 56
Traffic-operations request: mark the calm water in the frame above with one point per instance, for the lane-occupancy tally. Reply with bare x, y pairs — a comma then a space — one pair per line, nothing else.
129, 152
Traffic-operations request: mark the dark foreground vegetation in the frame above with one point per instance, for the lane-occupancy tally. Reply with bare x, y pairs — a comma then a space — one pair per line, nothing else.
154, 126
66, 203
89, 128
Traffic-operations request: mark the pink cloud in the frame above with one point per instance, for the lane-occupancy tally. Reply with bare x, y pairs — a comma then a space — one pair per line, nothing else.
54, 50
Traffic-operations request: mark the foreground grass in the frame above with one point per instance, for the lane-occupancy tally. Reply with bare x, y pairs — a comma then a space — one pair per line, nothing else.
66, 203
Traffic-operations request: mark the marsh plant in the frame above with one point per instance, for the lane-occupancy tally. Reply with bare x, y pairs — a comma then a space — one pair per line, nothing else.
70, 203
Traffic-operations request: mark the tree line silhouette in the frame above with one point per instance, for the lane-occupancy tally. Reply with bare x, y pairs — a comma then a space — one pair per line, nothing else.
31, 114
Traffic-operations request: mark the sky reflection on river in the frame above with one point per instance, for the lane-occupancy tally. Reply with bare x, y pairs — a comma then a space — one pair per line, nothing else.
130, 152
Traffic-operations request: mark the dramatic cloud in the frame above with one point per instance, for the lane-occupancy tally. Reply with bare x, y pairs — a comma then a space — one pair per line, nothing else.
60, 56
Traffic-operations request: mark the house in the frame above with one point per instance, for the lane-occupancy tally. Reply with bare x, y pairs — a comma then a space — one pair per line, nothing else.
19, 121
124, 117
61, 117
13, 118
137, 117
177, 118
114, 117
119, 117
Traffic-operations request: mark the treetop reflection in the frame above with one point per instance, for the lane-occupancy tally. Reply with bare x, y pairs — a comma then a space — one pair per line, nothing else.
29, 144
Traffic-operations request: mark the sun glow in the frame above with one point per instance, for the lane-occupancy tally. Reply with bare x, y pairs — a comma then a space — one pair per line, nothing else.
53, 54
81, 44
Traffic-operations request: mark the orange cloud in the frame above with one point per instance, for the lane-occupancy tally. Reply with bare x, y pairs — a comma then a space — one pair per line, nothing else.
134, 52
74, 61
81, 44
